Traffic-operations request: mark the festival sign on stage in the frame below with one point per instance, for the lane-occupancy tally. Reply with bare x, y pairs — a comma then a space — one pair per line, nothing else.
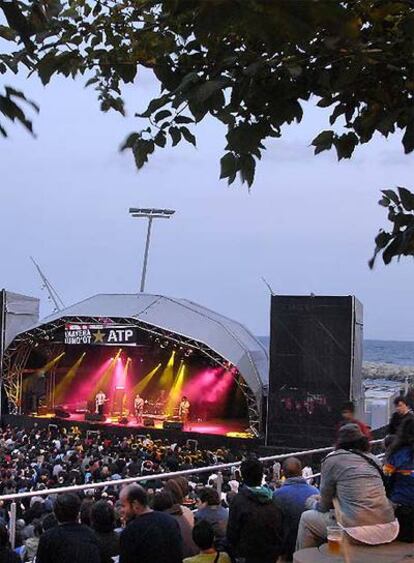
103, 335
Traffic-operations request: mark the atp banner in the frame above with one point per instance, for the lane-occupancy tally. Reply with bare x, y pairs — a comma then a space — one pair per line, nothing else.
103, 335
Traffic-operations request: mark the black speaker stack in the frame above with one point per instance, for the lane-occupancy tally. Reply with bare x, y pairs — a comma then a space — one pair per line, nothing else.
315, 366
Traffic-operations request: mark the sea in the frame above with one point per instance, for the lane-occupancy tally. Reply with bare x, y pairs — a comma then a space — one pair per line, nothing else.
381, 351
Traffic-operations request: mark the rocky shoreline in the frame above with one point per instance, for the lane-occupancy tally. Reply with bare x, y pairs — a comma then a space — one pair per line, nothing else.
393, 372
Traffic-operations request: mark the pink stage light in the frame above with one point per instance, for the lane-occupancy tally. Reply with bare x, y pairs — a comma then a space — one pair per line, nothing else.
211, 388
81, 390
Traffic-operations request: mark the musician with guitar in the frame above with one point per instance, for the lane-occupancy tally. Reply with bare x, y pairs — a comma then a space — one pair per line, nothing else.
184, 410
100, 400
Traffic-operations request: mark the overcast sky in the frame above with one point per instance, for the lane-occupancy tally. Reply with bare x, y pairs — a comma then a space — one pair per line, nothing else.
307, 225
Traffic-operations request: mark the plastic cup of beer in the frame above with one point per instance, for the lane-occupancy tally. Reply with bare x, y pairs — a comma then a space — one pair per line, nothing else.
334, 540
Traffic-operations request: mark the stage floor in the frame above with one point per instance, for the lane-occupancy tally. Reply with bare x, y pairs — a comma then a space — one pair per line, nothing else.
217, 427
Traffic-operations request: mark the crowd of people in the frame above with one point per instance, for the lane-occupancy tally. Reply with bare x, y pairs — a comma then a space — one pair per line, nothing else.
262, 514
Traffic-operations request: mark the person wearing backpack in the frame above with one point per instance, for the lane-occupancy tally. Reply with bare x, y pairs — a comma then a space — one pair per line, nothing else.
254, 528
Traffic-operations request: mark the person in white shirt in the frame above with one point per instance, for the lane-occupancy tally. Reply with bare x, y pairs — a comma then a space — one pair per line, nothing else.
307, 473
100, 400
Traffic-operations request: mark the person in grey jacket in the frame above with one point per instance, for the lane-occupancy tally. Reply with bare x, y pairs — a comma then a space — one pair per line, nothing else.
353, 477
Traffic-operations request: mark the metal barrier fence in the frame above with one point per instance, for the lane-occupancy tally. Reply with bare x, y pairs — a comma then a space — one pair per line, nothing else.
155, 476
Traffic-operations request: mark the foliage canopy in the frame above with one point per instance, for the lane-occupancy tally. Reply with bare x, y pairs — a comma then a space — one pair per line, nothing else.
248, 63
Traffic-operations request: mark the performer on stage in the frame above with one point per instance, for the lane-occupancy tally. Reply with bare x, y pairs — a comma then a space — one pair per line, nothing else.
139, 408
161, 402
100, 400
184, 410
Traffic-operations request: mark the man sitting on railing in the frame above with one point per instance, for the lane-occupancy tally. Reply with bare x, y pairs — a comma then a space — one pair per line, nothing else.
352, 478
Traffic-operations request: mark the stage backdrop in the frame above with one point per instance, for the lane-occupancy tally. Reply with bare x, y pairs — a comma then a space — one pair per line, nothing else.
315, 366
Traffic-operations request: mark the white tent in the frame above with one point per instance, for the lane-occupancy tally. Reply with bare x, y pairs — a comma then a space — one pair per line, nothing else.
226, 337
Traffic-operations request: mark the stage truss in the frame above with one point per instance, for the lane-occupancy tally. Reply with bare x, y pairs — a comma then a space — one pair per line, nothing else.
41, 338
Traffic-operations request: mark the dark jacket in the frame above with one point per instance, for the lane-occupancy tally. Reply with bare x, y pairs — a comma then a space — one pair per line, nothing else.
399, 469
153, 537
254, 528
9, 556
291, 499
68, 543
396, 421
108, 545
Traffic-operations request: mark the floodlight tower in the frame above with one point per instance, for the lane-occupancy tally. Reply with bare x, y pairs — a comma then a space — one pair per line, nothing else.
149, 214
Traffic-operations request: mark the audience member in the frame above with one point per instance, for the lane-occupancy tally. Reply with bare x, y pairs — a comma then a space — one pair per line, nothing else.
211, 510
70, 541
399, 469
203, 536
402, 412
348, 417
150, 536
291, 498
353, 477
254, 529
6, 554
164, 502
102, 522
31, 544
178, 487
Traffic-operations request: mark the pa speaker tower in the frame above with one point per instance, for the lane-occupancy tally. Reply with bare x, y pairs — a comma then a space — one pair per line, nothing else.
315, 366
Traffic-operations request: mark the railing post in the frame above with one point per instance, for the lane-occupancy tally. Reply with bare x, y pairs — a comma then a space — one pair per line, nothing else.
219, 482
12, 525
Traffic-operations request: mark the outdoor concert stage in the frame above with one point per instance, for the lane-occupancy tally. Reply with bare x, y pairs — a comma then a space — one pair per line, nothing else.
101, 356
213, 435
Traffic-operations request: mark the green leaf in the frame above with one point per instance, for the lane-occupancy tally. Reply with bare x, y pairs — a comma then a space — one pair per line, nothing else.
188, 136
407, 199
141, 149
160, 139
183, 119
392, 196
91, 81
323, 141
345, 145
127, 71
162, 115
175, 135
154, 105
130, 141
7, 33
203, 92
228, 166
408, 139
247, 166
97, 9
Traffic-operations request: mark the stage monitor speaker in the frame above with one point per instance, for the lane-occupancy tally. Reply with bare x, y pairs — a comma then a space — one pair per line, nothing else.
123, 419
60, 412
148, 422
94, 417
172, 425
315, 366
